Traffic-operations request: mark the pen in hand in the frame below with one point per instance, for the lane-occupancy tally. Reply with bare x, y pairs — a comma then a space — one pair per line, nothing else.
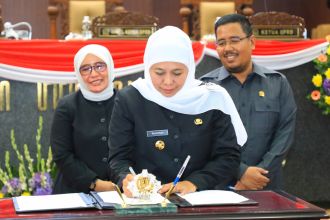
132, 171
177, 178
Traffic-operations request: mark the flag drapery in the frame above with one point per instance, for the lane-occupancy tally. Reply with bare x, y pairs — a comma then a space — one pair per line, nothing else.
51, 61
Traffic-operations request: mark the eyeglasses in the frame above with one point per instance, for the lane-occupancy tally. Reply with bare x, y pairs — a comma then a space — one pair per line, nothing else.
87, 69
232, 41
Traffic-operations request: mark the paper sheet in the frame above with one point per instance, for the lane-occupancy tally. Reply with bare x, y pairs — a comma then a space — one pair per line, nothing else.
113, 197
50, 202
209, 197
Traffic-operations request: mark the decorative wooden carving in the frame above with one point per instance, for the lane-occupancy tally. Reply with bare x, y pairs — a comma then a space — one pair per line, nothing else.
278, 25
189, 12
124, 21
61, 7
125, 18
276, 18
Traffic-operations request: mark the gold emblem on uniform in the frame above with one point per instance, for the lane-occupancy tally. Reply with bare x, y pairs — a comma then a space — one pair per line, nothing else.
160, 145
261, 93
198, 121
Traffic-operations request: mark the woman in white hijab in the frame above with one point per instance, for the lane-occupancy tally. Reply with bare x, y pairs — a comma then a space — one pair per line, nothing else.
159, 120
80, 125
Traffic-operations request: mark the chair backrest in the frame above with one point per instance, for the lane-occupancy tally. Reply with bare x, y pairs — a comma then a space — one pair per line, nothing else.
209, 11
71, 13
80, 8
320, 31
198, 16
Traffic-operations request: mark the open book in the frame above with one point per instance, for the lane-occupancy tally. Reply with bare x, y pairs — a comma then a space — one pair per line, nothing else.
112, 200
53, 202
99, 200
211, 198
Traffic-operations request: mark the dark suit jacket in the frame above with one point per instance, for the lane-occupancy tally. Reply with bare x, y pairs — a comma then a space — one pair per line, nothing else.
79, 136
267, 108
137, 124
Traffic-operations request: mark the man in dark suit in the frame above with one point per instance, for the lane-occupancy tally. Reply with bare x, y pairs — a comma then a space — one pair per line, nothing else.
264, 100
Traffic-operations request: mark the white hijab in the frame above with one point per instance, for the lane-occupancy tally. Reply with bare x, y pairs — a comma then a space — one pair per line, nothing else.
104, 54
173, 45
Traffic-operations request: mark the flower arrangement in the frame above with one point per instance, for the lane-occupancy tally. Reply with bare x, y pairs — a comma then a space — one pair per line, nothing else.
321, 81
33, 177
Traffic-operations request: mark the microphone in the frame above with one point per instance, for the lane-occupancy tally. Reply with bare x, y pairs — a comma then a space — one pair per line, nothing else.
10, 33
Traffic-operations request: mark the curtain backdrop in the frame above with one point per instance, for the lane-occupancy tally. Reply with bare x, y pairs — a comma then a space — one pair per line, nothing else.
51, 61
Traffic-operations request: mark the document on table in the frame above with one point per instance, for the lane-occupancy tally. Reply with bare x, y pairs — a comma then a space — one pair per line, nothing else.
213, 197
52, 202
113, 197
99, 200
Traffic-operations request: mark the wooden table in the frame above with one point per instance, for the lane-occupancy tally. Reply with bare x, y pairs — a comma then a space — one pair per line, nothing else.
271, 205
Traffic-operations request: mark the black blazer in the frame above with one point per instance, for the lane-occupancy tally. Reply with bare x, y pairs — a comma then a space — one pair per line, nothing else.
137, 124
79, 136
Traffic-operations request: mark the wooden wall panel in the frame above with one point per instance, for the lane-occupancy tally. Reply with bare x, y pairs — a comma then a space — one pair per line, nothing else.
167, 11
35, 11
143, 6
31, 11
314, 12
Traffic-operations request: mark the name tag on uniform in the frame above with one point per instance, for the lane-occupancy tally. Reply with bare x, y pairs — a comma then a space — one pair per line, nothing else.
157, 133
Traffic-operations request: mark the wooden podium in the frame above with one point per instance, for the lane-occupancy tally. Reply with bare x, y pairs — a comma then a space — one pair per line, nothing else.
271, 205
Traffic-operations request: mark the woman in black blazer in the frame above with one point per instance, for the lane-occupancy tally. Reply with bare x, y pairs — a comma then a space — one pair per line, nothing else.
79, 132
159, 120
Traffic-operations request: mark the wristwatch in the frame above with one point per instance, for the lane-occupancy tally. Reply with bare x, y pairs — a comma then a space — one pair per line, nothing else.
93, 184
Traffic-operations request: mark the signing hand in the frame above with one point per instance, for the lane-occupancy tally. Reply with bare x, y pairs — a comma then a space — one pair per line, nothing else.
182, 187
254, 178
128, 178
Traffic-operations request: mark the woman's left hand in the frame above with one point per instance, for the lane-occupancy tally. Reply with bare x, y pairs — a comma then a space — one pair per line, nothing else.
183, 187
102, 185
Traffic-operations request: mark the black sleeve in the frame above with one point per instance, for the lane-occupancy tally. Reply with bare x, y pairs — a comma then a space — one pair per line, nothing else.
121, 140
75, 172
224, 161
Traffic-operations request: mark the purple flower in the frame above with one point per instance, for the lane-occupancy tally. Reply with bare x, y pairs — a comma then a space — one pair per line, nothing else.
15, 183
41, 184
42, 191
37, 177
13, 187
4, 190
326, 86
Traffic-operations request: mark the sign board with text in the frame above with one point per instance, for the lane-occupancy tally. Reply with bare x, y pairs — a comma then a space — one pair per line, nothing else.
134, 32
278, 31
